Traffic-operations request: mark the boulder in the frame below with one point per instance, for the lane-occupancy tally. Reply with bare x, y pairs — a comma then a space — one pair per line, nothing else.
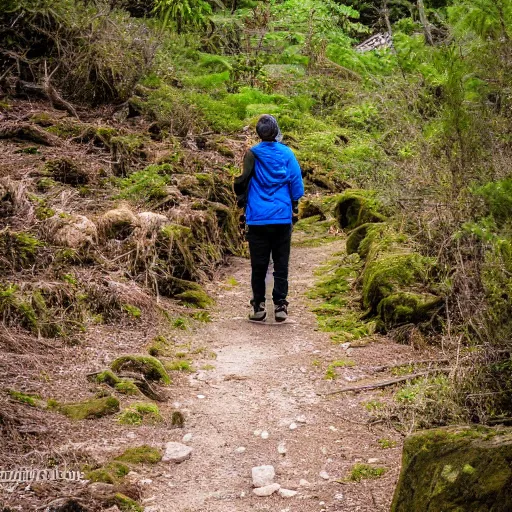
457, 469
73, 231
118, 223
357, 207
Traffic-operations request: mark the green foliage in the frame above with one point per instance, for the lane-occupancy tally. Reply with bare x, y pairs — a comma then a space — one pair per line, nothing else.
111, 473
147, 185
183, 14
179, 366
90, 56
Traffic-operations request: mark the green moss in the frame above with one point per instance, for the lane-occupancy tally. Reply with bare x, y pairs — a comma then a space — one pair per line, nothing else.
127, 387
386, 443
195, 298
180, 323
140, 413
126, 504
95, 408
25, 398
456, 468
66, 129
140, 455
42, 119
365, 471
147, 185
179, 366
149, 366
108, 377
407, 307
45, 184
357, 207
111, 473
389, 273
355, 238
132, 311
159, 347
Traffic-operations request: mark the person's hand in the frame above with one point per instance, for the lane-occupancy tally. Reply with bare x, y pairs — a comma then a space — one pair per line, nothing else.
295, 207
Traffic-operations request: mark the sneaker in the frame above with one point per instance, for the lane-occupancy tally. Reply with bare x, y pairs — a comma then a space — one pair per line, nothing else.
281, 311
259, 314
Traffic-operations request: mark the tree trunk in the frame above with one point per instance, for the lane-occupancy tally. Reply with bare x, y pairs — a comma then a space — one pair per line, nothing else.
425, 23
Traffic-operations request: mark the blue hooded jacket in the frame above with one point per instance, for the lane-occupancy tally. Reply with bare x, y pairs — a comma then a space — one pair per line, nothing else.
276, 182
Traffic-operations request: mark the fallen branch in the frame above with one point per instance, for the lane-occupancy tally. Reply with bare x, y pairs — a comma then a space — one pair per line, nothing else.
410, 363
389, 382
27, 132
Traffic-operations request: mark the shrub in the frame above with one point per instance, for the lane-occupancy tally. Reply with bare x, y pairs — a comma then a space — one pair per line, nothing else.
92, 56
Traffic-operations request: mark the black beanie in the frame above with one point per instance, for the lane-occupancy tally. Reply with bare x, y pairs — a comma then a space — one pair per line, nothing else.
268, 129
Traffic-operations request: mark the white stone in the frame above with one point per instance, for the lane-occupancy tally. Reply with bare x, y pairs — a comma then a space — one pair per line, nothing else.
350, 351
323, 450
200, 397
176, 452
302, 369
187, 438
268, 490
373, 461
287, 493
324, 475
263, 475
332, 428
345, 346
338, 496
293, 426
264, 435
257, 433
131, 435
281, 448
321, 503
301, 419
240, 449
146, 481
304, 483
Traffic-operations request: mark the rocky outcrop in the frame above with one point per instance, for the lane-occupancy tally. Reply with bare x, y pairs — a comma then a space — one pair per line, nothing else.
457, 469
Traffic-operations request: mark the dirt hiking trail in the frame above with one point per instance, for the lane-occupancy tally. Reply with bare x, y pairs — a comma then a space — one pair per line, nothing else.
270, 379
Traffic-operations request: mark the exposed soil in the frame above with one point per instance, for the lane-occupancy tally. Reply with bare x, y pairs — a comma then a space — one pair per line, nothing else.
254, 377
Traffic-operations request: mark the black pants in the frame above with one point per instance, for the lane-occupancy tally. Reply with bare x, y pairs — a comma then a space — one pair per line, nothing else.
275, 240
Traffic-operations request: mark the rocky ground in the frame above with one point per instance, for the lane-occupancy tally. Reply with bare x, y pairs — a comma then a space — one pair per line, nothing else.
258, 397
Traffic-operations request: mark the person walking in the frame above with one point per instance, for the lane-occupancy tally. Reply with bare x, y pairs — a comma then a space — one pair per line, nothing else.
269, 189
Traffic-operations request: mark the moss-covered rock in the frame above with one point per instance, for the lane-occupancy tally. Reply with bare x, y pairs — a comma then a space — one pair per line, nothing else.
140, 455
111, 473
356, 236
149, 366
456, 469
71, 230
95, 408
140, 413
118, 223
356, 207
407, 307
390, 274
